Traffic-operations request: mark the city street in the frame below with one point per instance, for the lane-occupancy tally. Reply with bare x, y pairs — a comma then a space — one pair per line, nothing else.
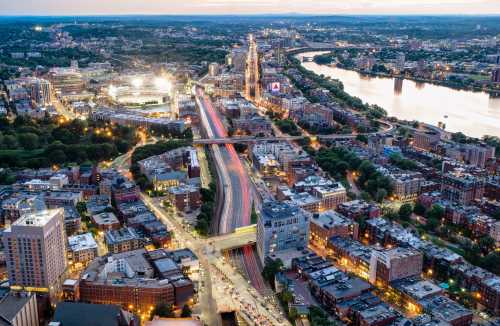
262, 311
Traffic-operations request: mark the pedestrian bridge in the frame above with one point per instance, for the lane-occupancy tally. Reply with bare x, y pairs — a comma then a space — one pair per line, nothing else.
241, 236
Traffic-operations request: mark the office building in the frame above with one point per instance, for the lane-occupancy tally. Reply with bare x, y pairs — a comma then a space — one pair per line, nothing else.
281, 226
36, 250
213, 69
66, 80
41, 92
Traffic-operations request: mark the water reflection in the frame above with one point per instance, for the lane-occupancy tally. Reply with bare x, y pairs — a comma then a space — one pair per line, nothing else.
398, 86
474, 113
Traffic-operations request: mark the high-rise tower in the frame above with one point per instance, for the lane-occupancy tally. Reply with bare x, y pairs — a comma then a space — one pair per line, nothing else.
35, 250
252, 75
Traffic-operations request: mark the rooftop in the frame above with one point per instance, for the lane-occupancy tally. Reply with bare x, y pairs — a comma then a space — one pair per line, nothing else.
82, 242
11, 303
121, 235
330, 219
105, 218
444, 308
418, 288
39, 218
275, 210
83, 314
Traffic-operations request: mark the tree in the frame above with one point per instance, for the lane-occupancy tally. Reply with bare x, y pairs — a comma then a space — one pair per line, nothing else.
286, 296
380, 195
202, 225
28, 141
163, 310
271, 268
9, 142
318, 317
186, 311
487, 244
57, 156
293, 314
419, 209
405, 211
253, 217
240, 148
365, 196
362, 138
436, 212
81, 207
490, 262
432, 224
391, 215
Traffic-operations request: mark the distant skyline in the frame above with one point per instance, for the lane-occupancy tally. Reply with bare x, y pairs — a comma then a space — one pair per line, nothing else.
209, 7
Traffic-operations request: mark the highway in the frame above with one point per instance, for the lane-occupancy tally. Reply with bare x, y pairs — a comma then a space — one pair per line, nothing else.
238, 194
221, 286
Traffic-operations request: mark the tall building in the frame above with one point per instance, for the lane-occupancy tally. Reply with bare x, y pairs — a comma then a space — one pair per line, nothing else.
36, 250
281, 226
41, 92
213, 69
252, 75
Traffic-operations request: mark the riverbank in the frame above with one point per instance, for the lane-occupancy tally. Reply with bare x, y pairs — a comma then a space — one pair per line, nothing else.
490, 91
474, 113
444, 83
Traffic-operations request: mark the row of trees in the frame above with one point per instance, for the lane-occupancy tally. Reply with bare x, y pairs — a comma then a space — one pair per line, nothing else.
288, 127
402, 163
204, 219
165, 310
337, 161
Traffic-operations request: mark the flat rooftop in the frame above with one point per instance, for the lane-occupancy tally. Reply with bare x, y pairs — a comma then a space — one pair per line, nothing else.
39, 218
331, 218
82, 242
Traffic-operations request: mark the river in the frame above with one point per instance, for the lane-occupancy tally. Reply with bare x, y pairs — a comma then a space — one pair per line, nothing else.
474, 113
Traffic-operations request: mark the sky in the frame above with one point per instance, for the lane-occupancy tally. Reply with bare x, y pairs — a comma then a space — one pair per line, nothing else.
189, 7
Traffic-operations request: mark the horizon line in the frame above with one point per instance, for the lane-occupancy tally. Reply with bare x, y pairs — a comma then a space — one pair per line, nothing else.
252, 15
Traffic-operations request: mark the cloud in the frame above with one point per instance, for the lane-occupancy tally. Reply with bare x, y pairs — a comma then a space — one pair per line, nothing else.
44, 7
